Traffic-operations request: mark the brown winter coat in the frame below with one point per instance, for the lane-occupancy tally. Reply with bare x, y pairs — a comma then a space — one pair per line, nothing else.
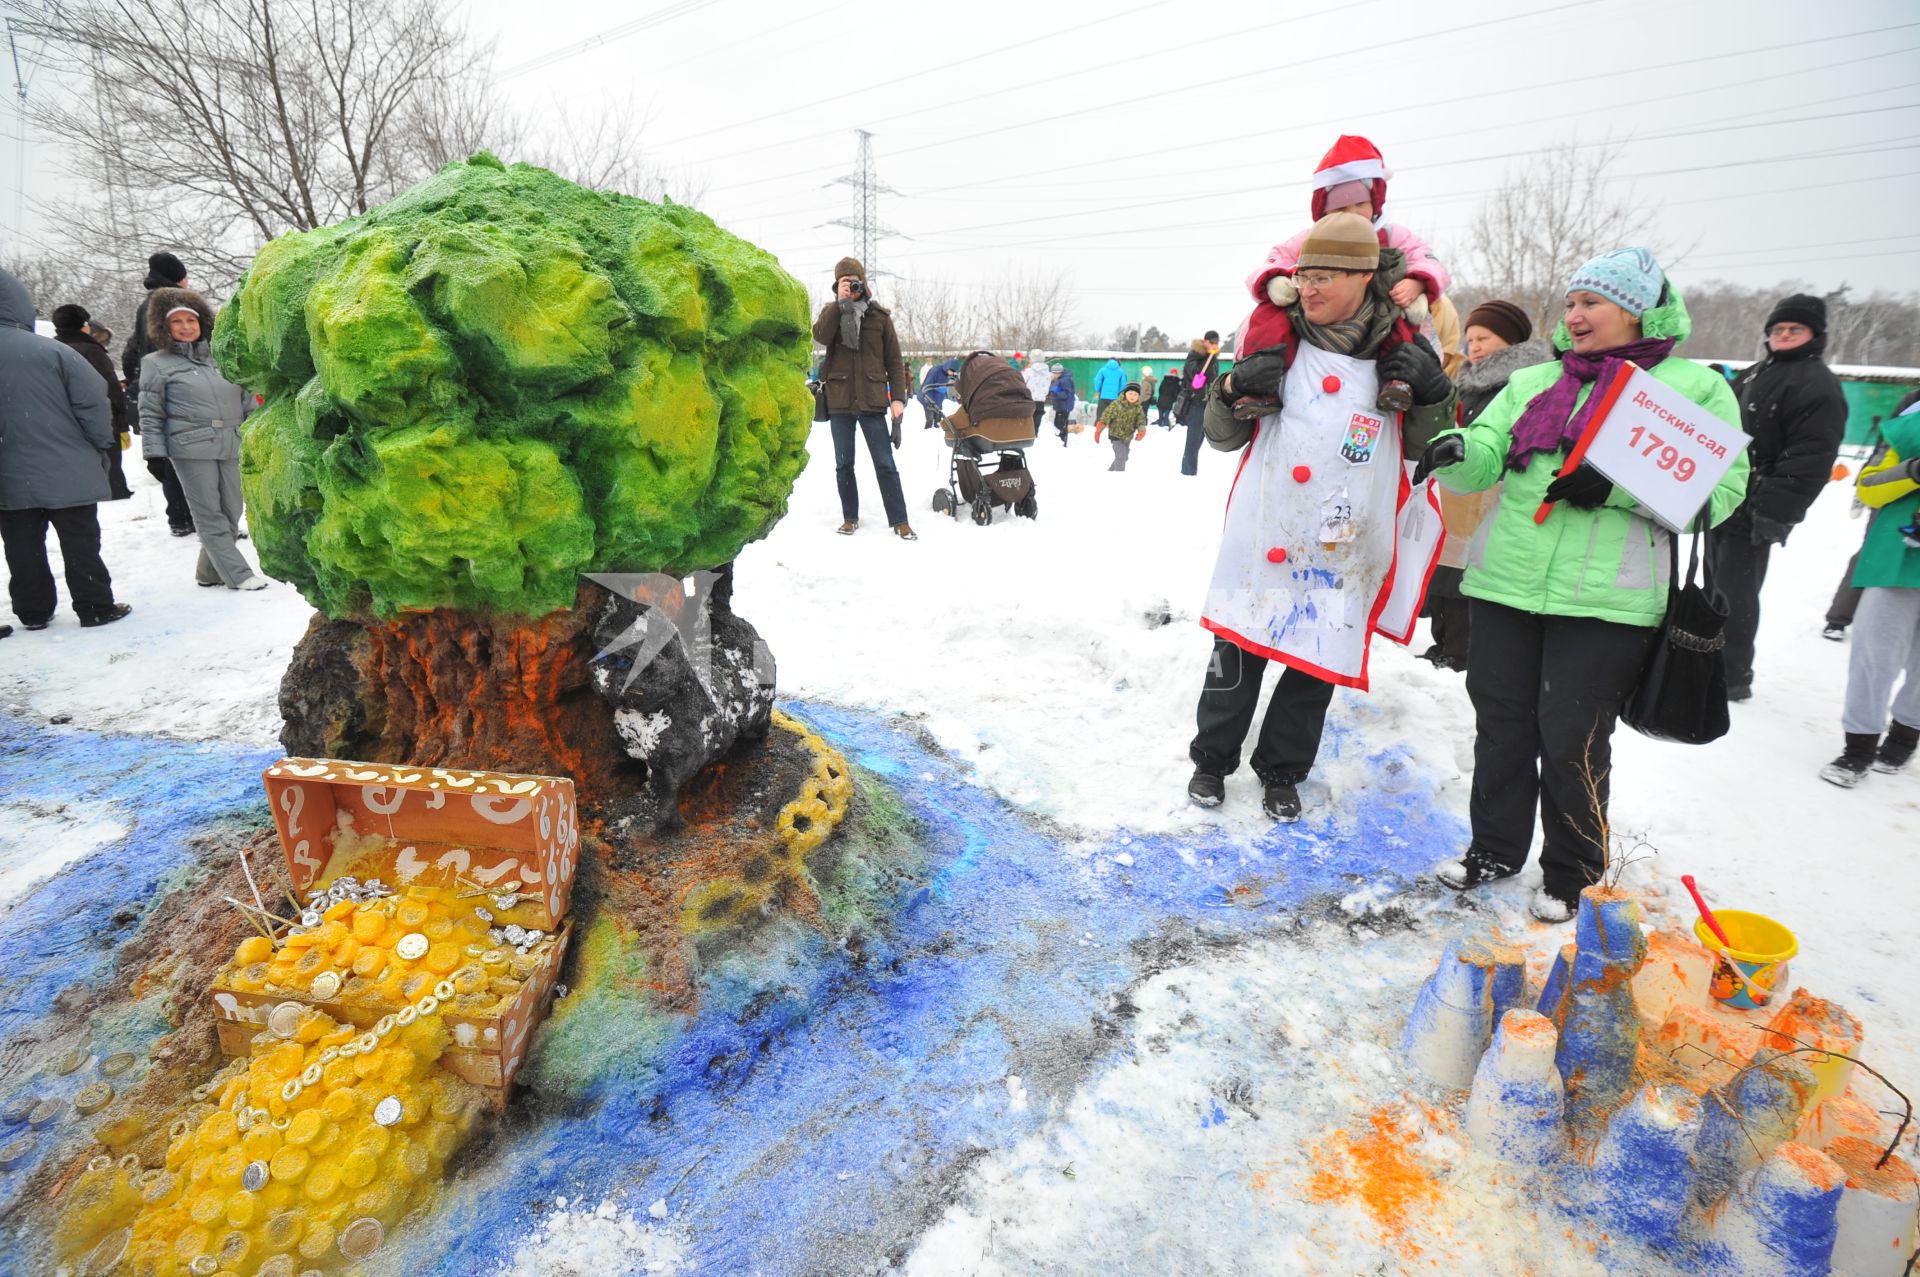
867, 379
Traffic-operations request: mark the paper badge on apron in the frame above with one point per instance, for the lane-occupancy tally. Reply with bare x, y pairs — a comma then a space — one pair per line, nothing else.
1363, 436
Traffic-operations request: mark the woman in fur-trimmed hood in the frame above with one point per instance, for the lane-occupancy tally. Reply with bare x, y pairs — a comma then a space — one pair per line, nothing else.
191, 415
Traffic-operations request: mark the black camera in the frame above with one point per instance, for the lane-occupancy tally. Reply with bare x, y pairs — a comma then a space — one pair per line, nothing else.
855, 287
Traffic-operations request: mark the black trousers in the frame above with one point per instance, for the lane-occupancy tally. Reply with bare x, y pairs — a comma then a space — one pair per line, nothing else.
178, 513
1289, 734
1546, 693
116, 475
1739, 569
30, 579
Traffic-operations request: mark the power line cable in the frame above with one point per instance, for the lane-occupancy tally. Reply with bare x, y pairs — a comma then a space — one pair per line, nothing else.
658, 17
1208, 85
917, 76
1467, 99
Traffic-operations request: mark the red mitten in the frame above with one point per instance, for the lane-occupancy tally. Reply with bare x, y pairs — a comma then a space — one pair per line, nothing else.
1097, 428
1138, 437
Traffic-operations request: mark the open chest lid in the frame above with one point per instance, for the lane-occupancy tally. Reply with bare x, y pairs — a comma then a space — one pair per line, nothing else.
431, 826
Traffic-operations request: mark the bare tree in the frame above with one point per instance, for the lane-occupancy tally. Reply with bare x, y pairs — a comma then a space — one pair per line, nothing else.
1026, 312
931, 316
56, 279
604, 151
1548, 218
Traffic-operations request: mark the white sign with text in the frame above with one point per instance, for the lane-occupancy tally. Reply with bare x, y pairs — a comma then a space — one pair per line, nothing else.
1666, 450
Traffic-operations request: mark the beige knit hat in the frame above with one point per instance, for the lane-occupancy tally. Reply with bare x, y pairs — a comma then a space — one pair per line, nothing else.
1341, 241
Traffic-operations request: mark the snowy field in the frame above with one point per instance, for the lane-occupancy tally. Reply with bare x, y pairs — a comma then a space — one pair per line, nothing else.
1027, 652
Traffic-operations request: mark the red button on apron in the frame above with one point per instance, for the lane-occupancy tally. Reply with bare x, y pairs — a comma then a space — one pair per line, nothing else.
1302, 473
1330, 384
1276, 555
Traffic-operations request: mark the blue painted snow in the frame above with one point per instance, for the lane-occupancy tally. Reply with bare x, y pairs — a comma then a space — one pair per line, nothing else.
808, 1114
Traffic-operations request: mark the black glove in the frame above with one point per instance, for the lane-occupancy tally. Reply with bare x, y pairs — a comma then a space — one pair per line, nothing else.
1769, 531
1417, 365
1584, 487
896, 433
1447, 450
1258, 375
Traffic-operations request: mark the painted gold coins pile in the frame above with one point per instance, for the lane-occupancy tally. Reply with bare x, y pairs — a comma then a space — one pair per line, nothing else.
303, 1156
384, 951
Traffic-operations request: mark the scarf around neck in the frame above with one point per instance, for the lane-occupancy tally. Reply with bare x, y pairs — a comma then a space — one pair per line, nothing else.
1550, 424
851, 313
1342, 338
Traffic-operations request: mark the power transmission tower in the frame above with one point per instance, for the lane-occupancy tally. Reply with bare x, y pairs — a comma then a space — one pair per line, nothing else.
867, 191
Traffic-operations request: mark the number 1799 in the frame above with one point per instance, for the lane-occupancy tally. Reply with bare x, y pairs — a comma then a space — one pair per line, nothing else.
1669, 457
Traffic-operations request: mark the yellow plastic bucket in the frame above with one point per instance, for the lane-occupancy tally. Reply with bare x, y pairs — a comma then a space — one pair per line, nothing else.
1748, 968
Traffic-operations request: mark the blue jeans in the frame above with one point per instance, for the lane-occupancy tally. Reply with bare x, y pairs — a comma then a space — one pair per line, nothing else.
873, 425
1190, 454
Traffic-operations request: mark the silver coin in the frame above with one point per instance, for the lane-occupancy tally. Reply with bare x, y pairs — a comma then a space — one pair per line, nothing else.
326, 985
412, 946
361, 1238
485, 915
505, 900
535, 935
254, 1178
284, 1019
516, 934
387, 1111
105, 1257
311, 918
16, 1110
75, 1060
47, 1111
15, 1151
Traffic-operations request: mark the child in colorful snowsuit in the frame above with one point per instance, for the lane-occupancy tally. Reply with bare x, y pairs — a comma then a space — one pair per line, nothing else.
1352, 177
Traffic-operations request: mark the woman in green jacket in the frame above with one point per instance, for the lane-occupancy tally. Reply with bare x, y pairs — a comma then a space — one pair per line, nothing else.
1565, 612
1886, 627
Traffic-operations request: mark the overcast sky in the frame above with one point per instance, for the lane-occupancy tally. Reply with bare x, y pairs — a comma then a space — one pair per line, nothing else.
1151, 150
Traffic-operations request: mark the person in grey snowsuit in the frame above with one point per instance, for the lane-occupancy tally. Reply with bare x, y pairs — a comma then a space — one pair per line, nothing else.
56, 428
191, 415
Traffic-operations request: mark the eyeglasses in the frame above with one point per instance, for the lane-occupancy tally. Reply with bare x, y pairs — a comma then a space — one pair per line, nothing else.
1320, 281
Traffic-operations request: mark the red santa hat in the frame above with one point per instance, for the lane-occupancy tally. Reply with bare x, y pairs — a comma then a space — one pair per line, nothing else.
1351, 159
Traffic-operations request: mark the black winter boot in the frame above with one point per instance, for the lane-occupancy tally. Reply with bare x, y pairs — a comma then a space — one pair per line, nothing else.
1206, 789
1851, 767
1281, 801
1897, 749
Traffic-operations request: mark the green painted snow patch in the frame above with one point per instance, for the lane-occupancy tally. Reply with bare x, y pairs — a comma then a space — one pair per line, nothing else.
500, 380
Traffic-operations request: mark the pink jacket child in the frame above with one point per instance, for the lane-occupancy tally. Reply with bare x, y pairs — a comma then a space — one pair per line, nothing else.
1351, 173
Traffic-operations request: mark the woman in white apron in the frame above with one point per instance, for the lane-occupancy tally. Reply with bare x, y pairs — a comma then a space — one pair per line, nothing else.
1325, 541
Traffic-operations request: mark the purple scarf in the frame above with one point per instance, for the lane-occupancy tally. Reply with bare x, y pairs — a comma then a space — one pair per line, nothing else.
1549, 423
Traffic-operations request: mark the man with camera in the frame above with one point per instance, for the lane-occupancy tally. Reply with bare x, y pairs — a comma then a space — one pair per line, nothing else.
865, 379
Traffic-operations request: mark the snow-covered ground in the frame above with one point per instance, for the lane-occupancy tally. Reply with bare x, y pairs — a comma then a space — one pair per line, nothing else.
1027, 649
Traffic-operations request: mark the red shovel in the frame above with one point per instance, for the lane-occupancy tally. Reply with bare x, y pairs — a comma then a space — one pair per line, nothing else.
1706, 914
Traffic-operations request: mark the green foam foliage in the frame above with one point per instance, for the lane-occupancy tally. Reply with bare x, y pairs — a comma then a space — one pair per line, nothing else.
500, 380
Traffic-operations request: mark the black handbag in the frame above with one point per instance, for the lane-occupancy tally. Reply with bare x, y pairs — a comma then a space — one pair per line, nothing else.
1682, 694
819, 400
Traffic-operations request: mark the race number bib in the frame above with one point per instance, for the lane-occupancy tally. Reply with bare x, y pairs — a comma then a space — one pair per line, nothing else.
1336, 518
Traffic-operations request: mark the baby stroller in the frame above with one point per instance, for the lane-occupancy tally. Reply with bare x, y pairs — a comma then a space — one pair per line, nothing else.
991, 414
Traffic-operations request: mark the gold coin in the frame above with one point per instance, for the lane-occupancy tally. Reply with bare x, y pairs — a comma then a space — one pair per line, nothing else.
92, 1097
117, 1063
75, 1060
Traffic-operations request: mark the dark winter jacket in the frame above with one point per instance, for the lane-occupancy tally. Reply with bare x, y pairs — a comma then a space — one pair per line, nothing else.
1480, 384
55, 425
1169, 387
990, 389
83, 344
1200, 363
867, 379
1792, 405
939, 382
1061, 395
136, 347
188, 411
